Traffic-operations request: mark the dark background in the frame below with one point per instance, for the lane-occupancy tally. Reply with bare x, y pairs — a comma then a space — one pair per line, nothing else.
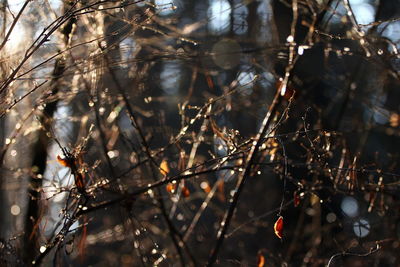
141, 93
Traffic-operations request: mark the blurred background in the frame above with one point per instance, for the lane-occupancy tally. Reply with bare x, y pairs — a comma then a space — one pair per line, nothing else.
171, 94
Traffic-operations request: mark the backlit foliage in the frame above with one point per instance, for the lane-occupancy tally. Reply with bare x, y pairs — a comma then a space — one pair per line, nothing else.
192, 133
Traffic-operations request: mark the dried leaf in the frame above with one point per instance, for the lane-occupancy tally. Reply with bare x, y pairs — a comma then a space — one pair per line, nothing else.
185, 191
171, 188
394, 120
63, 162
164, 169
260, 260
206, 187
278, 227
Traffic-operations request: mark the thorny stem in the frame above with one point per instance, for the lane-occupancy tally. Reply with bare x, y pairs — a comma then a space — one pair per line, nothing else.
243, 177
62, 233
174, 233
372, 250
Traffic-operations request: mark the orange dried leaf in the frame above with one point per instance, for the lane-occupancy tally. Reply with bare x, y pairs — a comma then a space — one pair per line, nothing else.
260, 260
164, 169
278, 227
394, 120
210, 82
171, 188
185, 191
206, 187
63, 162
